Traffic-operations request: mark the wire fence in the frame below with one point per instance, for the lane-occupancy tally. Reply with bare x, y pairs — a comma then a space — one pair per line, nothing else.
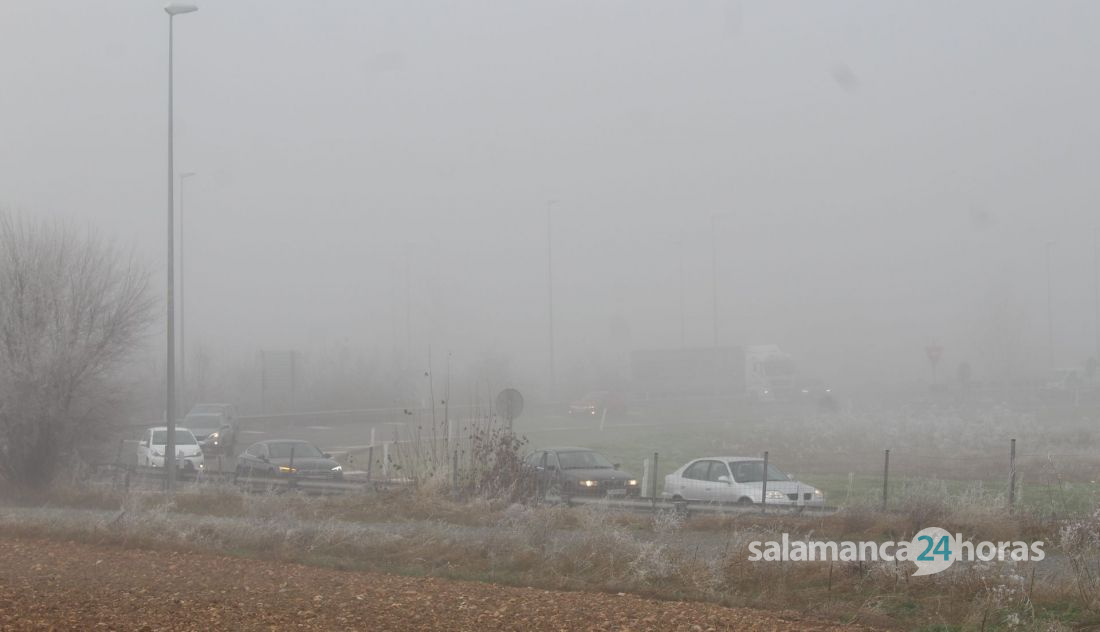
1046, 484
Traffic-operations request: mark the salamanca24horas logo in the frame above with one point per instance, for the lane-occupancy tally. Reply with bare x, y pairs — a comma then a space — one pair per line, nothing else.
932, 549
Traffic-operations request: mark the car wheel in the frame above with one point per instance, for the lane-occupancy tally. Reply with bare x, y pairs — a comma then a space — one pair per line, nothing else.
744, 501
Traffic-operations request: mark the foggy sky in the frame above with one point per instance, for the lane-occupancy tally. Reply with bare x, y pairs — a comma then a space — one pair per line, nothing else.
883, 173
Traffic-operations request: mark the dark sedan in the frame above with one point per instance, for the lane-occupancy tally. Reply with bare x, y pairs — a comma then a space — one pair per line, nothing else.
282, 457
564, 472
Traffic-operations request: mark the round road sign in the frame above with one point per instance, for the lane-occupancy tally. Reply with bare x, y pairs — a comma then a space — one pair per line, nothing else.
509, 404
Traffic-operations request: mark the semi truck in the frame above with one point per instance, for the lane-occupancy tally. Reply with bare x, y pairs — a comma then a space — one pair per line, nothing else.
762, 373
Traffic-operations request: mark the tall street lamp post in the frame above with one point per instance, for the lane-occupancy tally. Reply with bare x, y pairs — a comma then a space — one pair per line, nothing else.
183, 311
172, 9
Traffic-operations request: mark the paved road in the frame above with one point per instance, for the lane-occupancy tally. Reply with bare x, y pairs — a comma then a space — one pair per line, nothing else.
51, 585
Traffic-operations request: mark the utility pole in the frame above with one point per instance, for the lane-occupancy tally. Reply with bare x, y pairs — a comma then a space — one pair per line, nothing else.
716, 380
680, 249
714, 277
550, 296
1050, 311
1096, 291
408, 307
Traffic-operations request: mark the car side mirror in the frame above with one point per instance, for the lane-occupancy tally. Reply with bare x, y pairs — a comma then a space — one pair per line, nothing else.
616, 465
725, 479
790, 477
263, 458
327, 455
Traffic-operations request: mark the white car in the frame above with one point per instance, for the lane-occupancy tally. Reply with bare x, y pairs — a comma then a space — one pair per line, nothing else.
738, 479
188, 453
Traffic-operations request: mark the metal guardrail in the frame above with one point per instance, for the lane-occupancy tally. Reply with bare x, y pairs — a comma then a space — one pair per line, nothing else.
126, 475
654, 505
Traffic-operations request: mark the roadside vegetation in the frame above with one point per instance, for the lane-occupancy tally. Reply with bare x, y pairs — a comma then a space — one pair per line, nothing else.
425, 530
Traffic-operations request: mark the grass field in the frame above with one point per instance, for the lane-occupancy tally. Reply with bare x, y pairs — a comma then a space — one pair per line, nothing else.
1056, 472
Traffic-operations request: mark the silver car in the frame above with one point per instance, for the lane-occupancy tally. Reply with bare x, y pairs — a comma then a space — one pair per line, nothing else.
738, 479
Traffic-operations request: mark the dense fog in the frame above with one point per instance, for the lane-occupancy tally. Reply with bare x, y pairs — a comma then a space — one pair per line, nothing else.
374, 178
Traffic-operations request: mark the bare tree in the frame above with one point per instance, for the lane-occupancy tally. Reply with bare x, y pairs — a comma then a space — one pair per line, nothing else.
72, 307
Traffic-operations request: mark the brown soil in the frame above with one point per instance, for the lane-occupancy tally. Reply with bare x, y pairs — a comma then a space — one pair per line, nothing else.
52, 585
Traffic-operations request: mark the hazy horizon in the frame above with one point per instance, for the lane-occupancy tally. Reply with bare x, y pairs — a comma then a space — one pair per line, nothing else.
879, 176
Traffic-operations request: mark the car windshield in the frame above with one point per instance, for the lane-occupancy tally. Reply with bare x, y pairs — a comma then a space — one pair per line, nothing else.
204, 421
583, 460
183, 437
207, 409
752, 472
301, 449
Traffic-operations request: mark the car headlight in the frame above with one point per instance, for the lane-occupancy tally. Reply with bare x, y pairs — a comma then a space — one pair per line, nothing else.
776, 495
284, 468
587, 483
818, 492
337, 468
632, 482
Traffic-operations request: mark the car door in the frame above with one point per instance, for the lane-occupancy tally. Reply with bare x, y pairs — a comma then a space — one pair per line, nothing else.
748, 479
714, 490
552, 467
537, 462
695, 483
721, 487
249, 461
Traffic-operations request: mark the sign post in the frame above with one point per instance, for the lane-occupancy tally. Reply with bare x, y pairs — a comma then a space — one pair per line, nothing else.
509, 404
934, 351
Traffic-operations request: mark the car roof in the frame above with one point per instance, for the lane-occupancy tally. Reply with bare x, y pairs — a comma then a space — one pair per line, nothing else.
283, 441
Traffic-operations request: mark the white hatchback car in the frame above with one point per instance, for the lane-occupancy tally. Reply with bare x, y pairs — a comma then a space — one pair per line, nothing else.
738, 479
188, 453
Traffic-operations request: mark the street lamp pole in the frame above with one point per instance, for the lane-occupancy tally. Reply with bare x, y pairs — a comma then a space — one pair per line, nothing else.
714, 276
550, 296
172, 9
683, 339
183, 311
1096, 291
1050, 311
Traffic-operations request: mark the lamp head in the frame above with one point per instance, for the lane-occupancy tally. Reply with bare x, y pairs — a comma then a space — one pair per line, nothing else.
176, 8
